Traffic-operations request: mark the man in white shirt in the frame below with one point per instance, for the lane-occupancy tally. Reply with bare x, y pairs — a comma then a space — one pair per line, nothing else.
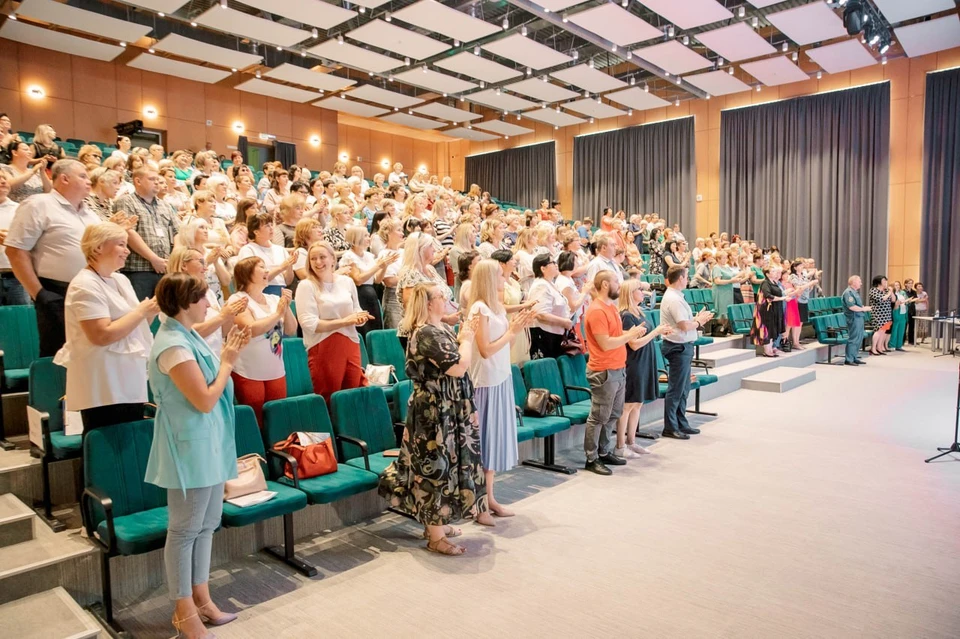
677, 348
606, 248
677, 235
43, 246
11, 291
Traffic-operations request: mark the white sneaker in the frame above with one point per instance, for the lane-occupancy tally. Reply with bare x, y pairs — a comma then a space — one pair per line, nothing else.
626, 453
638, 449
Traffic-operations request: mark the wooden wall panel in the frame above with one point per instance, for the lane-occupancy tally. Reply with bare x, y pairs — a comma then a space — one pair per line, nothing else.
253, 111
10, 69
280, 121
49, 69
94, 82
129, 88
185, 100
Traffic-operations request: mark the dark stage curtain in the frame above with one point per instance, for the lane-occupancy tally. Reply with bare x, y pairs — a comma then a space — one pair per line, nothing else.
285, 153
940, 230
524, 175
243, 147
640, 169
811, 175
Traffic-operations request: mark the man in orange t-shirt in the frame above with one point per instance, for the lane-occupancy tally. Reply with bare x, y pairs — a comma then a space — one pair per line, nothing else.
606, 342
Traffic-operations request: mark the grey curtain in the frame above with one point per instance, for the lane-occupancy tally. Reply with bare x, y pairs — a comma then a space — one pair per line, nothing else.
640, 169
524, 175
940, 230
243, 147
285, 153
811, 176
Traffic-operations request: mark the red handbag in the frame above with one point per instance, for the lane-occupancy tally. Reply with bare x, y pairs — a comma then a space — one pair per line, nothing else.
313, 459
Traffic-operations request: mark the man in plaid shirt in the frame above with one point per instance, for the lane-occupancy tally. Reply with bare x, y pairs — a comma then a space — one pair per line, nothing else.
151, 240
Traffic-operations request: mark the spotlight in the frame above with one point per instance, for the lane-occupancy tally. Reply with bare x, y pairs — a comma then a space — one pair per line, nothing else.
854, 17
529, 71
339, 39
406, 62
629, 55
257, 74
303, 54
388, 17
755, 21
506, 24
646, 88
633, 81
613, 48
758, 88
497, 92
795, 56
671, 31
483, 85
630, 113
677, 103
872, 33
586, 94
363, 10
544, 78
884, 43
719, 62
193, 24
518, 116
576, 54
730, 70
819, 75
741, 12
476, 51
523, 31
314, 33
424, 68
883, 59
591, 120
592, 64
565, 19
785, 47
686, 40
456, 43
625, 3
223, 4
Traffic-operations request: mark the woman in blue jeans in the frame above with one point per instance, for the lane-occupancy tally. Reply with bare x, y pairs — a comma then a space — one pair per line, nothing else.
193, 451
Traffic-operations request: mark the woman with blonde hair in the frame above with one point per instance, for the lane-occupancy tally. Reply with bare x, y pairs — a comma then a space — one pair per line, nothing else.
219, 185
90, 155
45, 145
525, 249
414, 207
329, 310
204, 206
366, 270
464, 239
418, 254
219, 317
438, 477
491, 236
104, 185
307, 231
491, 375
340, 216
196, 235
474, 193
392, 310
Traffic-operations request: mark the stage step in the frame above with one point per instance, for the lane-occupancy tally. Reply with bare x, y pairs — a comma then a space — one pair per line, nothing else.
16, 521
727, 356
779, 380
51, 614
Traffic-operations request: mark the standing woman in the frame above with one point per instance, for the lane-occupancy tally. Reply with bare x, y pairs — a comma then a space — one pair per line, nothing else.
279, 189
438, 477
418, 252
104, 185
566, 284
491, 236
656, 252
751, 278
44, 144
724, 280
880, 301
899, 327
525, 249
491, 376
108, 334
464, 239
195, 235
392, 232
219, 317
205, 208
923, 307
26, 176
513, 302
336, 233
259, 375
641, 369
307, 231
329, 310
279, 265
366, 270
792, 284
768, 318
194, 447
552, 311
465, 268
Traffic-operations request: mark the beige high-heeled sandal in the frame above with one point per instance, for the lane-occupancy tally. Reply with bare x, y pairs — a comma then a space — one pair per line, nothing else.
177, 623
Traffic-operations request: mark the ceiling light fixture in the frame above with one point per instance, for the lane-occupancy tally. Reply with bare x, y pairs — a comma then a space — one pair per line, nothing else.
558, 108
630, 112
576, 55
586, 94
529, 72
462, 98
483, 85
314, 33
720, 61
390, 78
741, 12
425, 68
883, 60
279, 48
686, 40
223, 4
518, 117
565, 19
633, 80
257, 74
151, 50
523, 31
13, 17
340, 39
785, 47
303, 54
456, 43
795, 56
506, 24
555, 127
544, 78
613, 48
193, 24
819, 75
592, 64
476, 51
758, 88
671, 31
629, 55
406, 62
388, 17
599, 100
363, 10
646, 88
35, 92
755, 21
677, 103
730, 70
233, 70
123, 44
497, 91
591, 120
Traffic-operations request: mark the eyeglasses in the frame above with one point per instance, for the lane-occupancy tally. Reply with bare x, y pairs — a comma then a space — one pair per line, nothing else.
96, 155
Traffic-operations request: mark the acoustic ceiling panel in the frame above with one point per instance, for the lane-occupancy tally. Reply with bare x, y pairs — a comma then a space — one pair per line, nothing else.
504, 102
288, 72
636, 98
557, 5
370, 4
248, 26
926, 37
469, 134
552, 116
433, 16
503, 128
196, 50
673, 57
413, 121
160, 6
736, 42
389, 36
588, 79
717, 83
774, 71
63, 15
843, 56
527, 52
375, 94
617, 25
166, 66
341, 103
434, 81
760, 4
899, 10
274, 90
689, 13
448, 113
466, 63
808, 23
588, 106
313, 12
354, 56
55, 41
540, 90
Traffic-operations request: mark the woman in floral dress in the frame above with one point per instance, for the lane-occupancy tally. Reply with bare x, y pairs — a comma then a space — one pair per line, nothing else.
438, 477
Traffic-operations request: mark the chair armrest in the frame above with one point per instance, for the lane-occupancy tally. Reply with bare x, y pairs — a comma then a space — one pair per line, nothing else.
290, 459
582, 389
3, 377
699, 363
91, 494
519, 415
45, 432
357, 442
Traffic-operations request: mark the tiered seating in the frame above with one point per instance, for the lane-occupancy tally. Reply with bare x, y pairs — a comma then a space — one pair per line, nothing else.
296, 368
19, 347
48, 385
699, 298
364, 428
652, 279
544, 373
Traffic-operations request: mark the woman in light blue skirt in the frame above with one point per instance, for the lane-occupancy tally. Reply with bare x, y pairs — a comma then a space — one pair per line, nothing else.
490, 372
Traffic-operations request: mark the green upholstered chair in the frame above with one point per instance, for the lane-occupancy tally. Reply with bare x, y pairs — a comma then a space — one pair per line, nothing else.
287, 501
362, 422
741, 318
364, 358
817, 306
383, 347
652, 279
653, 316
401, 400
544, 373
308, 413
830, 332
573, 373
19, 346
48, 385
123, 514
296, 368
538, 427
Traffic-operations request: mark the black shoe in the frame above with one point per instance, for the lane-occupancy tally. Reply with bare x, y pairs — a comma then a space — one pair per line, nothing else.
851, 364
676, 434
647, 434
690, 430
598, 467
860, 362
613, 460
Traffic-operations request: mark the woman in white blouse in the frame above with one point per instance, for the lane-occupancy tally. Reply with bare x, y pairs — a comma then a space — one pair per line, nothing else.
279, 189
219, 185
278, 263
329, 311
525, 249
219, 316
491, 236
552, 310
307, 231
108, 334
366, 270
205, 207
418, 255
196, 234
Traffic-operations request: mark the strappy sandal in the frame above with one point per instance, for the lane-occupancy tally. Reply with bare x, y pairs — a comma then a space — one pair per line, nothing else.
448, 532
177, 623
451, 550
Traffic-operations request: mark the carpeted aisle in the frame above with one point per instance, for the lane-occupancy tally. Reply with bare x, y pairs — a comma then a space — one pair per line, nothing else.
807, 514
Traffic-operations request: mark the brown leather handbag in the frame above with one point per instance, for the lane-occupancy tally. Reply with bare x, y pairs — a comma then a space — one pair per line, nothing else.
313, 459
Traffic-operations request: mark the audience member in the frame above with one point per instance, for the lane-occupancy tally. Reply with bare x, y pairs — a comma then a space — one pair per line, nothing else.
769, 318
27, 176
11, 291
391, 231
923, 307
366, 270
854, 310
219, 317
881, 302
552, 310
45, 146
275, 259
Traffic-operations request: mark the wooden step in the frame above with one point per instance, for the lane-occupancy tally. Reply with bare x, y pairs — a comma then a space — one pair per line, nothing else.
16, 521
51, 614
779, 380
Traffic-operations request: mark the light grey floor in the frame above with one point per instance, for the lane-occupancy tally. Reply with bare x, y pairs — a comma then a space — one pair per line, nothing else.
806, 514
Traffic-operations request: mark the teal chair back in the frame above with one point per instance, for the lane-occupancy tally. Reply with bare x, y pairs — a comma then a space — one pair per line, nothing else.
364, 358
307, 413
401, 399
115, 462
816, 306
741, 317
654, 317
295, 367
383, 347
661, 360
248, 437
519, 388
19, 339
573, 372
363, 413
544, 373
48, 383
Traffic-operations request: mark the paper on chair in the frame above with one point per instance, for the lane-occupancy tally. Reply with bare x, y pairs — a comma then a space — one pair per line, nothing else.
252, 499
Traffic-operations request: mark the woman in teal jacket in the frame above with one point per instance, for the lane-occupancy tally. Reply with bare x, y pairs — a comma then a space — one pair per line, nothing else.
194, 451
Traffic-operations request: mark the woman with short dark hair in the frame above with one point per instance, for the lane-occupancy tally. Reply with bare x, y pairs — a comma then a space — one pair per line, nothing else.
552, 310
881, 298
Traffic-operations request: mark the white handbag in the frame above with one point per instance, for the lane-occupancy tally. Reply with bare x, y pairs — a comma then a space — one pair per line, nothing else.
380, 374
249, 479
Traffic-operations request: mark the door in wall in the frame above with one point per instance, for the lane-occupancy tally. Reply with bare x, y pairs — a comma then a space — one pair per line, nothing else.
257, 154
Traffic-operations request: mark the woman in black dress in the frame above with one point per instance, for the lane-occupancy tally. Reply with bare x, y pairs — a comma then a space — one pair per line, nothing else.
641, 368
438, 477
768, 318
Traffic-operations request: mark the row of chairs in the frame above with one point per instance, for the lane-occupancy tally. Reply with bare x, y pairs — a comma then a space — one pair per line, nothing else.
831, 329
824, 306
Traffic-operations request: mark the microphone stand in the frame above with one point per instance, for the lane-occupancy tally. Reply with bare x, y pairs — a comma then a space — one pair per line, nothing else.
955, 446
